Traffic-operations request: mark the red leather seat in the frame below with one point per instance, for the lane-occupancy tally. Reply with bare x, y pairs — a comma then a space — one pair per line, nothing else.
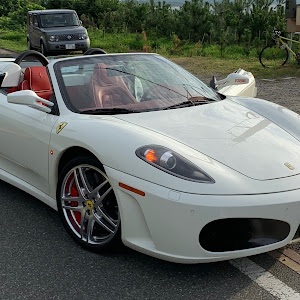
37, 80
108, 91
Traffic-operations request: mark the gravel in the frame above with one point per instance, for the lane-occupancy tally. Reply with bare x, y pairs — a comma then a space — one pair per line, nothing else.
285, 92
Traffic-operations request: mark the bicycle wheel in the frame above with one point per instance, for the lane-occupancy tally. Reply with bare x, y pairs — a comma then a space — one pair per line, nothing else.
272, 56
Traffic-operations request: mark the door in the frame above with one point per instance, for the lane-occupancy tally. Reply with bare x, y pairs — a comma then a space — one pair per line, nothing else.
35, 38
24, 148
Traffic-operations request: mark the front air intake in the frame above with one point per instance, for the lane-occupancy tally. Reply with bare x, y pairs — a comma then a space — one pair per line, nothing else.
239, 234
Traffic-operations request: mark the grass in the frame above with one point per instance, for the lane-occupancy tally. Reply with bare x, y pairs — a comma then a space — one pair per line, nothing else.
15, 41
209, 66
199, 60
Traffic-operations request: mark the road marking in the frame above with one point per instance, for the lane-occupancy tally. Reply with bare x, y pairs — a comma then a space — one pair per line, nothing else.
288, 257
265, 279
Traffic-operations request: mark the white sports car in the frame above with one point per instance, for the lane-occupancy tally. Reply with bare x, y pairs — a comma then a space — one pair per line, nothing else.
132, 148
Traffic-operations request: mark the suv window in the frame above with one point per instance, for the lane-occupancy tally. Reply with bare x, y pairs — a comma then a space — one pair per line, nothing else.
59, 20
35, 21
30, 20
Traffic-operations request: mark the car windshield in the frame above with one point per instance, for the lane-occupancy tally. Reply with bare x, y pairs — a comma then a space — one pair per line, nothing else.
128, 83
59, 20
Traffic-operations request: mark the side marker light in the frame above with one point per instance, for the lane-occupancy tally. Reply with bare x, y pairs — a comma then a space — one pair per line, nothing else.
131, 189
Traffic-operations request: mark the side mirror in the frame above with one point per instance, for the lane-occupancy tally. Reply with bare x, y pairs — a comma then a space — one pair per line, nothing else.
231, 79
213, 83
80, 22
31, 99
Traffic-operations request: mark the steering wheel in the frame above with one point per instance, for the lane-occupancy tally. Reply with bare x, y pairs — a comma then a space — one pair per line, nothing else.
39, 56
94, 51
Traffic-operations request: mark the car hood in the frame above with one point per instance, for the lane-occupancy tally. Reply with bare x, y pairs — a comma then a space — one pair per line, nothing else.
231, 134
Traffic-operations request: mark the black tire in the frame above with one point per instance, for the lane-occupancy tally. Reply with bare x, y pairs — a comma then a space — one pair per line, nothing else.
272, 56
90, 216
29, 47
43, 49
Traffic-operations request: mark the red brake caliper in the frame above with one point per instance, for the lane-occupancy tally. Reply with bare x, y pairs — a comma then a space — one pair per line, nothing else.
74, 193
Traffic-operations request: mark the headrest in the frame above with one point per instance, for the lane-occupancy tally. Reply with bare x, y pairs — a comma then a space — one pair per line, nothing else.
11, 73
38, 79
101, 77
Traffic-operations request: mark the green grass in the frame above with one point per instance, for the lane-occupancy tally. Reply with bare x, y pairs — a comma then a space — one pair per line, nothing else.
208, 66
15, 41
200, 60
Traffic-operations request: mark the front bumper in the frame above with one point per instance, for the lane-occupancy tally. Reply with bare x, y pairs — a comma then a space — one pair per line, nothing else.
166, 223
61, 46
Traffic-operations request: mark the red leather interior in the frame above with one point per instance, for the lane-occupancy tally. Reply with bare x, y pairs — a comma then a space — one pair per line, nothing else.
37, 80
13, 89
79, 96
108, 91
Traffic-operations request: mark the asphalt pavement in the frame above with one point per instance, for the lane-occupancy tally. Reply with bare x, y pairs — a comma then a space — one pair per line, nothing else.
40, 261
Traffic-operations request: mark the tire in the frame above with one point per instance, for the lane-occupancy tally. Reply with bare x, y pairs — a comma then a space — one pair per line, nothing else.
271, 56
29, 47
87, 205
43, 49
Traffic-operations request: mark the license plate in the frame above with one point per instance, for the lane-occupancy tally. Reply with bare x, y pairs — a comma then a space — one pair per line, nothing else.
70, 46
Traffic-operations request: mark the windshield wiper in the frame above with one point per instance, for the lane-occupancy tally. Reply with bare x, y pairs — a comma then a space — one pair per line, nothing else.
190, 103
201, 99
178, 105
108, 111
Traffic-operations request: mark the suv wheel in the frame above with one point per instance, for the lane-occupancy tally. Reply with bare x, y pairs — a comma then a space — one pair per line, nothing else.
43, 50
29, 47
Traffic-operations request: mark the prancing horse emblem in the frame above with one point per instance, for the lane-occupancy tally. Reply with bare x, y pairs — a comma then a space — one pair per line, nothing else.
289, 166
60, 127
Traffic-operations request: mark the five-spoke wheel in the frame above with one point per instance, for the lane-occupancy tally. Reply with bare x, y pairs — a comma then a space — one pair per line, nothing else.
88, 205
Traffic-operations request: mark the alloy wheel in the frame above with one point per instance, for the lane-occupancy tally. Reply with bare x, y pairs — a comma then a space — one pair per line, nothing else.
89, 205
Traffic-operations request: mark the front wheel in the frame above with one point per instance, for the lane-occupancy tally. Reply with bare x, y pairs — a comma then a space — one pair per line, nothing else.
88, 206
43, 49
274, 56
29, 47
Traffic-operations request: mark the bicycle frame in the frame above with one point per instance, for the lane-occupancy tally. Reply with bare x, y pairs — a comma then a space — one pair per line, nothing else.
280, 40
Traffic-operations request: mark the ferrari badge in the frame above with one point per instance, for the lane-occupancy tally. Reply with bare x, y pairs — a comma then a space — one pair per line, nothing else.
289, 166
60, 127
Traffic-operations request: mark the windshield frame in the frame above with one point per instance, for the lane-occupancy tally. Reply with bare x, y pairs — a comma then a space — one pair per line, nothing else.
68, 102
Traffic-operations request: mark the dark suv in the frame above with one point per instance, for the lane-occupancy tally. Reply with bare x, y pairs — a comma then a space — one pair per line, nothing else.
56, 30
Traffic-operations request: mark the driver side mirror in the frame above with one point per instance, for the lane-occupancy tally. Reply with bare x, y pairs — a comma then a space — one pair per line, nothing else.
31, 99
231, 79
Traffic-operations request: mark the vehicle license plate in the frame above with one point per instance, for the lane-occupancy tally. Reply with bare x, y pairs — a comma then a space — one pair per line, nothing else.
70, 46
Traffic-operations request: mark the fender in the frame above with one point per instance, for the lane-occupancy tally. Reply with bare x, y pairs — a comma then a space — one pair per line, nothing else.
279, 115
42, 39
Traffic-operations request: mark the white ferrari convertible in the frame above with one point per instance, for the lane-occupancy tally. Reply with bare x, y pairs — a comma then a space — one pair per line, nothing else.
133, 149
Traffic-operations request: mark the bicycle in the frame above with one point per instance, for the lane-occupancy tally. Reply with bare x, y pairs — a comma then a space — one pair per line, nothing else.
278, 53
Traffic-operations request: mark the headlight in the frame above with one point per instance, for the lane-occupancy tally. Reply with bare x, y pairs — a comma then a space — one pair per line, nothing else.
172, 163
53, 38
82, 36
